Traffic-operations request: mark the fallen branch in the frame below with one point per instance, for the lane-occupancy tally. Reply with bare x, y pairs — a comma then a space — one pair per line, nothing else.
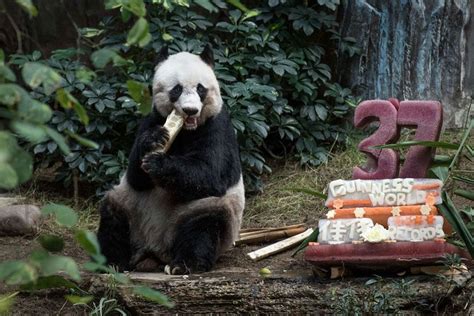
279, 246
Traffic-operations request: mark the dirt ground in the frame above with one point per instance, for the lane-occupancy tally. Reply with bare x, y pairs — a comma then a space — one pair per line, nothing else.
235, 286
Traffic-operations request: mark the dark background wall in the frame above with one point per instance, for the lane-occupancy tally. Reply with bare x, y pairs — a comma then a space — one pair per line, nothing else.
412, 49
54, 27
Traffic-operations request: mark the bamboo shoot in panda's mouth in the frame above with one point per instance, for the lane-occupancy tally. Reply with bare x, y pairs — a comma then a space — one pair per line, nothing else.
174, 123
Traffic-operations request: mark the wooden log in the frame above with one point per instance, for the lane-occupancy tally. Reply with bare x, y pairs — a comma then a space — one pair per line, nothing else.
279, 246
241, 290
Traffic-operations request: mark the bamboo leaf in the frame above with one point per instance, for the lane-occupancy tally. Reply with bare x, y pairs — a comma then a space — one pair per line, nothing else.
464, 179
313, 237
441, 173
59, 139
6, 302
83, 141
461, 146
465, 194
28, 6
419, 143
449, 211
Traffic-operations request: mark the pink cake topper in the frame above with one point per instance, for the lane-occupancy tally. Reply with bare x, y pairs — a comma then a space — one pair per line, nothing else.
425, 116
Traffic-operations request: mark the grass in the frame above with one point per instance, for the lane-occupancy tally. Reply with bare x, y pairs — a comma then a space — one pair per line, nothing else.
277, 205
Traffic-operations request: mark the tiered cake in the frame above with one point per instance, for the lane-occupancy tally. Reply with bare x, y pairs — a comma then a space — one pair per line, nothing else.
387, 216
381, 223
382, 211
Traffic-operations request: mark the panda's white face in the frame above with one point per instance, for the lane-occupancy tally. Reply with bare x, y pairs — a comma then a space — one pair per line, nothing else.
186, 83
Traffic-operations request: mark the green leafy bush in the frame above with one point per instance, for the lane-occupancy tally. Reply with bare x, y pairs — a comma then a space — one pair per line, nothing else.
274, 65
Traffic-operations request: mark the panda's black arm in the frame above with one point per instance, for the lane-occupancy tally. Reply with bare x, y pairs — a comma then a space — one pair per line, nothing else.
189, 177
148, 132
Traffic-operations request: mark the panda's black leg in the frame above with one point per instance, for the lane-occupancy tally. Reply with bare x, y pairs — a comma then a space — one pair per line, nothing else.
196, 244
114, 236
144, 260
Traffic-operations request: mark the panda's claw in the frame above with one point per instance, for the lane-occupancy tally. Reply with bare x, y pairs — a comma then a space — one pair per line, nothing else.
154, 139
152, 162
176, 269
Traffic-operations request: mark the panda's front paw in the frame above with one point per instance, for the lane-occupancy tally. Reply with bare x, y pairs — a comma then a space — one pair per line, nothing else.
152, 163
154, 139
192, 265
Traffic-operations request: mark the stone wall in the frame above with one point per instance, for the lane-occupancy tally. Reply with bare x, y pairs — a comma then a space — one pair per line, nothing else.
412, 49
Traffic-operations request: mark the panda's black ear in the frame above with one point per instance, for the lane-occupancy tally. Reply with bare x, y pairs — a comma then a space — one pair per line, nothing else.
162, 55
208, 56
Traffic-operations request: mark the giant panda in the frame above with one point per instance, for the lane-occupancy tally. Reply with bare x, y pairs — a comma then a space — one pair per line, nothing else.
182, 209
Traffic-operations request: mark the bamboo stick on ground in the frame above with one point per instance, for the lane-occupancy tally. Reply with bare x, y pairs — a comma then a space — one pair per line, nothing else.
279, 246
253, 231
267, 236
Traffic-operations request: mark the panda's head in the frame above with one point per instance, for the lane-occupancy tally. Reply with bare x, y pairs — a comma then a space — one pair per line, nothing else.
187, 83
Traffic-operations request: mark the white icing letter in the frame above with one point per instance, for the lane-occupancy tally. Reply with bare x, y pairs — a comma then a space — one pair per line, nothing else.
350, 187
337, 188
415, 235
397, 184
439, 231
408, 185
386, 185
420, 197
376, 186
377, 198
430, 233
390, 199
401, 199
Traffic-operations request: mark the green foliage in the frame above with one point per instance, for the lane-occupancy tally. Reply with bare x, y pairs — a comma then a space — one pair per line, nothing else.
64, 215
51, 243
273, 64
6, 302
28, 6
45, 270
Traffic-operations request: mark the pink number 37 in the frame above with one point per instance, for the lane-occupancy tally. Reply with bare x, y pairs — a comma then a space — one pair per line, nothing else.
425, 116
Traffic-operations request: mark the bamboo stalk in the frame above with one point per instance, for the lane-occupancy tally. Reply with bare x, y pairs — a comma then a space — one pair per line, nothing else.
246, 230
279, 246
254, 231
267, 236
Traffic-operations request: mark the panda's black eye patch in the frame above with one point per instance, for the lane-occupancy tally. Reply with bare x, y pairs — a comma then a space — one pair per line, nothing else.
202, 91
175, 93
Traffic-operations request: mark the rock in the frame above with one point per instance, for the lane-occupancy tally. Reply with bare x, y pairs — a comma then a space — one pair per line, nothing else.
6, 199
19, 219
416, 50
